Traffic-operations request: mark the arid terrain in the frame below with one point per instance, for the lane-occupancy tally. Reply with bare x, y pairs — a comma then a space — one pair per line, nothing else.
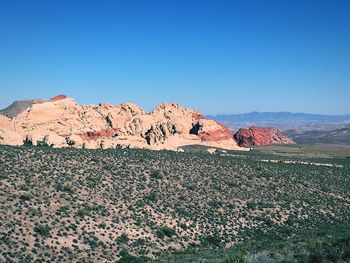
325, 136
133, 205
174, 131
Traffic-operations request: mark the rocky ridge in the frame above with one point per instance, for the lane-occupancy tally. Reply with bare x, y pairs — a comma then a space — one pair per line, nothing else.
61, 122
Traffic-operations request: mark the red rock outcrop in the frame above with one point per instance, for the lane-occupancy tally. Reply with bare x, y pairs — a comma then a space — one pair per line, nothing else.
95, 135
58, 97
259, 136
209, 130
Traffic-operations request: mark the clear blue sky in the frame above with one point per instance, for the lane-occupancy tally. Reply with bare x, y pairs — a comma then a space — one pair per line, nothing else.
216, 56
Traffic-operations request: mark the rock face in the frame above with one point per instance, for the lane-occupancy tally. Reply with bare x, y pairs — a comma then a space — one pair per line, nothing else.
260, 136
61, 122
7, 133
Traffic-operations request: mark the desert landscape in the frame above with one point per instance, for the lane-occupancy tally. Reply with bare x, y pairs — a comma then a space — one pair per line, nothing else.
136, 205
113, 183
104, 183
174, 131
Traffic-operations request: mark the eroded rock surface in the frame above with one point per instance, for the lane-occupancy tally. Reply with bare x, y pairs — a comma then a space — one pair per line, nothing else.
61, 122
259, 136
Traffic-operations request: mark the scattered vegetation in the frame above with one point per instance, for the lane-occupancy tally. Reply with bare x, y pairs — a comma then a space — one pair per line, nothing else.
128, 205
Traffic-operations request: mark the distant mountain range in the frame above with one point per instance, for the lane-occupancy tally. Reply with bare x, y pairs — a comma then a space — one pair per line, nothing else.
302, 128
338, 136
283, 120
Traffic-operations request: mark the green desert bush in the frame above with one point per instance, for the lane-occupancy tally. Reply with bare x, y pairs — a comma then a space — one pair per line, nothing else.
42, 230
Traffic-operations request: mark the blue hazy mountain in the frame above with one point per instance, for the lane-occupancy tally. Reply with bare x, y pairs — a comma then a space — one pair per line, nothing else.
303, 128
283, 120
280, 117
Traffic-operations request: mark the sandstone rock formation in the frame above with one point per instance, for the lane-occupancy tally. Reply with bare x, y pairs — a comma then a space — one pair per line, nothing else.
259, 136
61, 122
7, 133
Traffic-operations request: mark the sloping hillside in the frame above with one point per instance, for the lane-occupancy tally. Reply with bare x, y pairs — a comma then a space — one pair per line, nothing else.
338, 136
109, 205
18, 107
